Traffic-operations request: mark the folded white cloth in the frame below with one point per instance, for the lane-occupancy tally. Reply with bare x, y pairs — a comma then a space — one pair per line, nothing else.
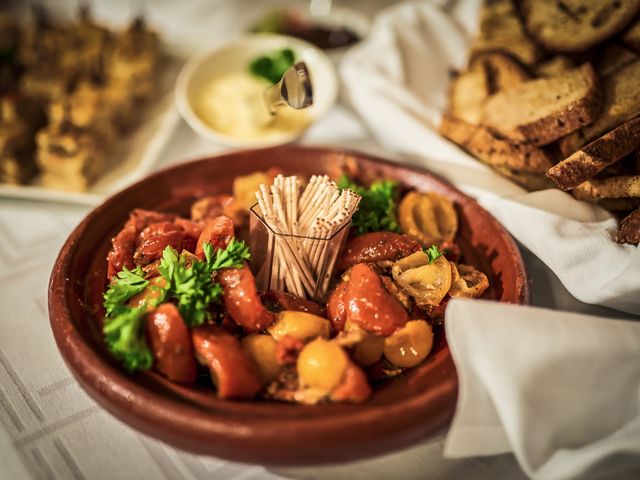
559, 390
397, 81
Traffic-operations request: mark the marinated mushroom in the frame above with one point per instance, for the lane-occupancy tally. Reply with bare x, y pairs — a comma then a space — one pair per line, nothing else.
428, 217
467, 281
427, 282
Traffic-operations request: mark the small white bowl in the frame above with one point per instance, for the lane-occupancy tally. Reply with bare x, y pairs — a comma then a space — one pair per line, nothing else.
235, 57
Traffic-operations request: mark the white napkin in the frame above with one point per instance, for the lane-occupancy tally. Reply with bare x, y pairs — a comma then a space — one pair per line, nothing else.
397, 79
559, 390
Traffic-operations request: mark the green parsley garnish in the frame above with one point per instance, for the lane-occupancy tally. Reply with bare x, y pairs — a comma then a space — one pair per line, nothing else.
433, 253
126, 284
190, 280
189, 284
272, 66
124, 334
377, 209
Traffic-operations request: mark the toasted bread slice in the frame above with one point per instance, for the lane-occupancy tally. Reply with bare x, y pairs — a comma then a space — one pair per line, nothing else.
631, 38
542, 110
501, 29
596, 156
621, 102
554, 66
629, 229
619, 204
467, 93
633, 163
613, 57
614, 187
576, 25
502, 70
488, 148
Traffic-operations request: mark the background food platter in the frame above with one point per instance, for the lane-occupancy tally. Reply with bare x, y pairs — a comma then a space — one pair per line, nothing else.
132, 158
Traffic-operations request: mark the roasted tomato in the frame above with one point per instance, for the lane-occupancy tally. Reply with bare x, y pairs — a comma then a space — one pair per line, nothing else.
191, 229
242, 301
288, 349
125, 243
141, 219
154, 239
232, 369
123, 246
369, 305
286, 301
218, 232
209, 207
213, 206
353, 386
451, 250
337, 307
170, 342
376, 246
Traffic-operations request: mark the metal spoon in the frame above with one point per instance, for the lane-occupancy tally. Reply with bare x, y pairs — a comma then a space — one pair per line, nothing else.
294, 90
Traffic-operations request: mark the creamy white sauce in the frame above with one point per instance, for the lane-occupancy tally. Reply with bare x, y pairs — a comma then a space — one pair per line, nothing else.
233, 104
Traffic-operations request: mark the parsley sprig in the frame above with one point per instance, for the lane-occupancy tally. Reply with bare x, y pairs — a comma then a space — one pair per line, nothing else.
433, 253
126, 284
377, 209
190, 280
188, 283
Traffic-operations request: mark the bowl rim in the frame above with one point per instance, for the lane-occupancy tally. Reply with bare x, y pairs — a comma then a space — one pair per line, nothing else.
188, 113
192, 428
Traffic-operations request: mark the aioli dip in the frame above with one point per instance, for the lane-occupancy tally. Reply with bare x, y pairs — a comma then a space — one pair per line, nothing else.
233, 104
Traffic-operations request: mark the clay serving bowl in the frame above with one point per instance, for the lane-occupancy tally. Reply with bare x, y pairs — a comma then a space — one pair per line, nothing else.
402, 411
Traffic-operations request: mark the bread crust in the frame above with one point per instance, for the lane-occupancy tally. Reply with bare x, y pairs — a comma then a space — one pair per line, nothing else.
571, 26
492, 150
557, 123
596, 156
621, 102
629, 229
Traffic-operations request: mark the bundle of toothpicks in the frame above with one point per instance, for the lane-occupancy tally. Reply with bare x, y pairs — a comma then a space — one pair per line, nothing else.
303, 221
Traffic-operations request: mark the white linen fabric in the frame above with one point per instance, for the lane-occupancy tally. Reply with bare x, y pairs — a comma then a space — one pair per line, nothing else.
561, 390
397, 81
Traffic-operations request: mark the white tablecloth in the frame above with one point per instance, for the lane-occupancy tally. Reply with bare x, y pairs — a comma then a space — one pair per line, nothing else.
49, 428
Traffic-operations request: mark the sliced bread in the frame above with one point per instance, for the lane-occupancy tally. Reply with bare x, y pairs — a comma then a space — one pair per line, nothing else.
596, 156
631, 38
621, 102
613, 57
542, 110
467, 93
615, 187
554, 66
488, 148
576, 25
501, 29
629, 229
503, 71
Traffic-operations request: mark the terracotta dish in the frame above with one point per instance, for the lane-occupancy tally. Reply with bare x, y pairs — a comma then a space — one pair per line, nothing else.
401, 411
